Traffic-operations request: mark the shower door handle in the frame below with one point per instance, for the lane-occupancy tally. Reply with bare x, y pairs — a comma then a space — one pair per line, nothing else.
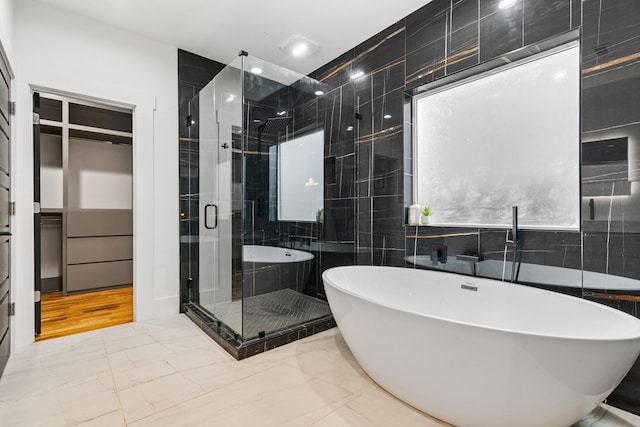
215, 216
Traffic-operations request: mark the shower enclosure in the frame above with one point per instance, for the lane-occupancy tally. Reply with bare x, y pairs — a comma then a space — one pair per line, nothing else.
257, 190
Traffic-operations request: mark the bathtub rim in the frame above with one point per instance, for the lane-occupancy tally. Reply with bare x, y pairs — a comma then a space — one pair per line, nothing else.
485, 327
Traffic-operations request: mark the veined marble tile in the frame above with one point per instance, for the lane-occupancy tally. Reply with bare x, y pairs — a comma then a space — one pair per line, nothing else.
52, 375
196, 358
142, 375
288, 402
343, 417
122, 342
383, 409
49, 413
87, 401
214, 376
192, 342
153, 396
148, 353
112, 419
322, 363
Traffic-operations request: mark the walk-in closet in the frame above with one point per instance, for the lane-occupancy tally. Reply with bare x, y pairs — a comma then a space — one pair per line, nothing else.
83, 196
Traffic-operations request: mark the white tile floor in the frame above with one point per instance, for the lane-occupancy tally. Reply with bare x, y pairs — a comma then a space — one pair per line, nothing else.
168, 373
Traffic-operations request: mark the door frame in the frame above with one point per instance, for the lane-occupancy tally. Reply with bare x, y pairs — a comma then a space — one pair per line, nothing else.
86, 100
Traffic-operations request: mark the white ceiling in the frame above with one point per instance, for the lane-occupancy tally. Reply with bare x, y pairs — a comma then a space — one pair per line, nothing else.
220, 29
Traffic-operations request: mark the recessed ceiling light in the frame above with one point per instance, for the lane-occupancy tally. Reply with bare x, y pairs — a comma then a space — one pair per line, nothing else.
349, 128
281, 113
505, 4
257, 121
231, 98
299, 46
357, 74
387, 116
319, 93
256, 70
299, 49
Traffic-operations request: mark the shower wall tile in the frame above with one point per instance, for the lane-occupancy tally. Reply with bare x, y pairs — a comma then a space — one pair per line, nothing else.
339, 220
337, 72
388, 113
387, 228
426, 64
610, 31
365, 222
304, 117
386, 47
196, 70
387, 172
388, 78
388, 257
576, 13
501, 30
463, 14
611, 100
462, 48
545, 18
427, 24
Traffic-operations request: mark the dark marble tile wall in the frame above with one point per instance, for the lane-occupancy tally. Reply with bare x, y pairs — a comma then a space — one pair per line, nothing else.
611, 109
441, 38
451, 36
331, 241
194, 72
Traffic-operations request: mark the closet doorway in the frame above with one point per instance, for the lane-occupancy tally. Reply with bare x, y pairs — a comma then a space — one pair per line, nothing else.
83, 215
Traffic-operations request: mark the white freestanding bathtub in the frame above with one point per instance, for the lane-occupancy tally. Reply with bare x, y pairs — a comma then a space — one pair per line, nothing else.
478, 352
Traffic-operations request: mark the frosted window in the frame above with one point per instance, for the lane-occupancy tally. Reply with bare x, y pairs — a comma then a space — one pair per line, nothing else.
301, 177
508, 138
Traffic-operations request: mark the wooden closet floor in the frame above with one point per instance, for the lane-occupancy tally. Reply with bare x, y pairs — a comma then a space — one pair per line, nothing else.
84, 312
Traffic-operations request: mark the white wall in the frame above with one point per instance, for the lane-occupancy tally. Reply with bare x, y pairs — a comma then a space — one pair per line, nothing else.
64, 52
6, 27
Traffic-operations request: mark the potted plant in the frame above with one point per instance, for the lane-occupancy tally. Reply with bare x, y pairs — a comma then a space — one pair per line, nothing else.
319, 215
426, 213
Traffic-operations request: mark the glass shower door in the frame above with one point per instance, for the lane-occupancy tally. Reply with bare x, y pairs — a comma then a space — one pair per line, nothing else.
218, 119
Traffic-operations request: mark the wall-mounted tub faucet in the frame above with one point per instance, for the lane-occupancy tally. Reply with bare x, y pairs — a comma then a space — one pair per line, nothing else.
472, 259
512, 243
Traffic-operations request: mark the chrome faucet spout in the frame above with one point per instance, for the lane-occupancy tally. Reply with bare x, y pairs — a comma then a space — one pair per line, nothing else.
513, 243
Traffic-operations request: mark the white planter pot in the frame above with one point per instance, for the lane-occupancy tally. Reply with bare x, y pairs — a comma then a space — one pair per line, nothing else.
424, 220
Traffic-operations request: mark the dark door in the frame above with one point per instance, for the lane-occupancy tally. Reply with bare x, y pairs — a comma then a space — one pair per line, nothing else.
37, 231
5, 230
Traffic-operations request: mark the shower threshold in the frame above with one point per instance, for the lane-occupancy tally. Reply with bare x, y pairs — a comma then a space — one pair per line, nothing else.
289, 314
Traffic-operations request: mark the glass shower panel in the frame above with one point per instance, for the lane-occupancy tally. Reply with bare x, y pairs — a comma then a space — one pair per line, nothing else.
260, 189
284, 186
216, 117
